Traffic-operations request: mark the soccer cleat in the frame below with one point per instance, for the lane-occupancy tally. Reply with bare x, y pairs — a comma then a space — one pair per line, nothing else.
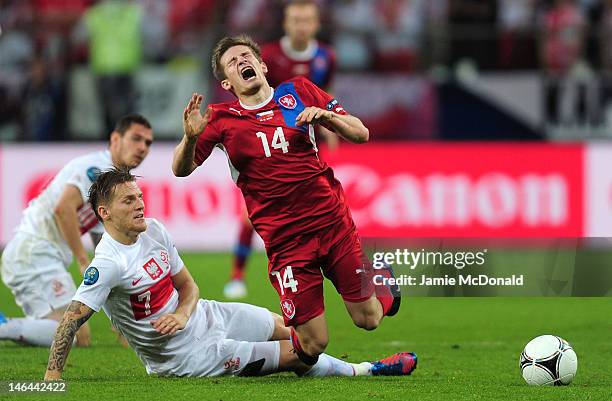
400, 364
235, 289
2, 318
387, 272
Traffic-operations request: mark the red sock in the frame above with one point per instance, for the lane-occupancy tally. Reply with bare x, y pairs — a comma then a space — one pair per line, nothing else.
386, 302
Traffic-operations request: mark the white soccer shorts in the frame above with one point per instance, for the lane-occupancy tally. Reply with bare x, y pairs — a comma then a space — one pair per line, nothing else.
35, 272
233, 342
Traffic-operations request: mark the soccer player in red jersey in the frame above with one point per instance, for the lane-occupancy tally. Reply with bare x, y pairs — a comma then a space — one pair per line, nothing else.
298, 53
293, 199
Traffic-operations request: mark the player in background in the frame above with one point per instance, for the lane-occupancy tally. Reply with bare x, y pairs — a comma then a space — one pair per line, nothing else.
139, 279
294, 201
298, 53
35, 262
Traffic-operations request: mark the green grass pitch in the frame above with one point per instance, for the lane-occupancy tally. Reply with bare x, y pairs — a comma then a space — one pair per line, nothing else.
468, 349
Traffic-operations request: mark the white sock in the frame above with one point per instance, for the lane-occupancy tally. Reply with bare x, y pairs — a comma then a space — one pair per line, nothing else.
329, 366
39, 332
362, 369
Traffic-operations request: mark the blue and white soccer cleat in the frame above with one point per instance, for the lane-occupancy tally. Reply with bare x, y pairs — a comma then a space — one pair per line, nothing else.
2, 318
400, 364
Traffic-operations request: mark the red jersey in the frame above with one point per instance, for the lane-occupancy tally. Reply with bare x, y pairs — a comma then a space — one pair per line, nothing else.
287, 189
317, 62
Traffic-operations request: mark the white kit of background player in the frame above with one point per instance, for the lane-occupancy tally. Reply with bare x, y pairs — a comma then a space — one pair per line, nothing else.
35, 261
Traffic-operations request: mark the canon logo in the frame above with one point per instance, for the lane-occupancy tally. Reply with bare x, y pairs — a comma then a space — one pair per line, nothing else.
494, 199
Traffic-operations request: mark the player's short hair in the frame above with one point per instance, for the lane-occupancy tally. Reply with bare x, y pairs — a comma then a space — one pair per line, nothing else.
126, 122
103, 188
224, 45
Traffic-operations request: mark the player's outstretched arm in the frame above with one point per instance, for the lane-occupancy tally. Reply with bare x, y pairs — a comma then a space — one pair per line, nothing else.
193, 125
189, 294
349, 127
74, 317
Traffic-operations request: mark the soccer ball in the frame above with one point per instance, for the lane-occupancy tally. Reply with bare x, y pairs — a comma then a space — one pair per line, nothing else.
548, 360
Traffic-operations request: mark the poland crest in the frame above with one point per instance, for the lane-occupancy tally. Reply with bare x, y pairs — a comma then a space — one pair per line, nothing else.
288, 101
288, 308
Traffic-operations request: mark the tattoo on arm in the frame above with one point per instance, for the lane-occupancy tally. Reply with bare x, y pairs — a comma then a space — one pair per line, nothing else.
95, 238
74, 317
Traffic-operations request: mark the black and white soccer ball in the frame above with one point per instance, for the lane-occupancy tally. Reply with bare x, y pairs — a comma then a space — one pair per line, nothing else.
548, 360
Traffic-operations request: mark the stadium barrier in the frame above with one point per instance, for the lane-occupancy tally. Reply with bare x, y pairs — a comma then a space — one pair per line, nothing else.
395, 190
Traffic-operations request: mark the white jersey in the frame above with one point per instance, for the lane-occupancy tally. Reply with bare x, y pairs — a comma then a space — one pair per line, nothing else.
38, 218
133, 284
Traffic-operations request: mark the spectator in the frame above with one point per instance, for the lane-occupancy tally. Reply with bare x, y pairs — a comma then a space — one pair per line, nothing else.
352, 38
398, 34
605, 51
16, 53
561, 50
473, 31
156, 32
257, 18
113, 29
188, 21
516, 22
605, 37
43, 105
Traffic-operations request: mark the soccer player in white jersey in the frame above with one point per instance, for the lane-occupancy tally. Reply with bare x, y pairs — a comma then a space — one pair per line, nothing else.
139, 279
34, 263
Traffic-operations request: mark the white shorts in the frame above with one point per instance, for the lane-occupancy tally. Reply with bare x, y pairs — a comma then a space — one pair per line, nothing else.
35, 272
232, 340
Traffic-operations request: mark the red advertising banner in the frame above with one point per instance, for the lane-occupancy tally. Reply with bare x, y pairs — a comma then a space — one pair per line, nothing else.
394, 190
463, 190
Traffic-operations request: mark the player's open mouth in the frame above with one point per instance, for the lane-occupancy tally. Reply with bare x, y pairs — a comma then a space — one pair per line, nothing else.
248, 73
139, 216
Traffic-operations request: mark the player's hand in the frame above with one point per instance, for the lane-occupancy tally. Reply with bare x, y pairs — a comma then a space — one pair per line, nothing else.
170, 323
314, 115
193, 120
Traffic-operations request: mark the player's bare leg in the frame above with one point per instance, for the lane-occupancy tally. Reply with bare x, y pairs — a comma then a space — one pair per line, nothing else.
311, 339
325, 365
384, 301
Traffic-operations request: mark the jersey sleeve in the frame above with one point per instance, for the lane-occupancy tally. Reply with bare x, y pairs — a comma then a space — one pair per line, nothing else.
176, 263
207, 142
99, 279
319, 97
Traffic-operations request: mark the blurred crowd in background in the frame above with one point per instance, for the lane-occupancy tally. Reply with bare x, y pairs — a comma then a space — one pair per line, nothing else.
44, 41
